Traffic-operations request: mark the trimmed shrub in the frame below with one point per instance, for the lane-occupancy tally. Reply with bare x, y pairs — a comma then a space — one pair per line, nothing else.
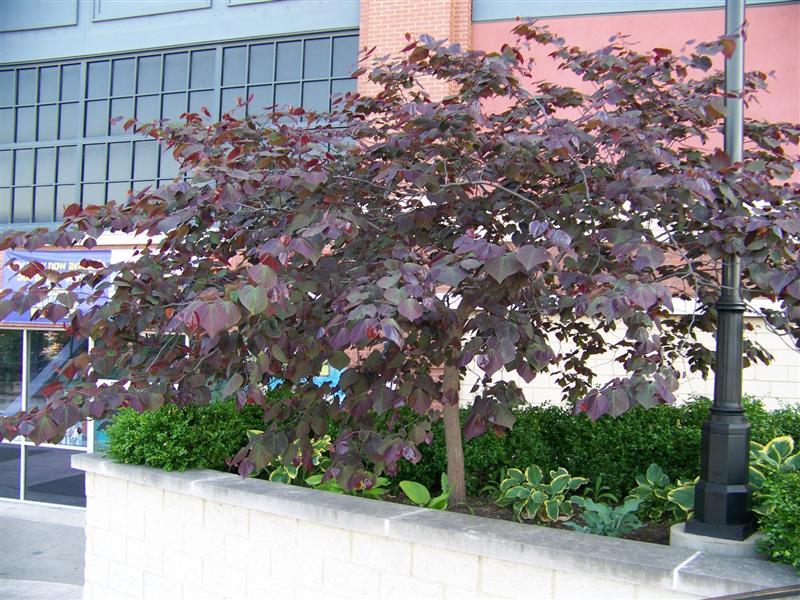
781, 527
176, 438
616, 448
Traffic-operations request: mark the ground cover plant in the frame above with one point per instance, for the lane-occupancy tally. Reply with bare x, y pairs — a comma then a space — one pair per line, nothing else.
419, 235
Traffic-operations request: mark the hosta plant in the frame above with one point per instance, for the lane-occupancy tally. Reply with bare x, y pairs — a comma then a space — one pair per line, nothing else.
601, 519
776, 456
600, 492
662, 499
421, 496
532, 498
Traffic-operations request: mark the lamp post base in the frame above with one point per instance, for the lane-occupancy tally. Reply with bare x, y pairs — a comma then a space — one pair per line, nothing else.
747, 548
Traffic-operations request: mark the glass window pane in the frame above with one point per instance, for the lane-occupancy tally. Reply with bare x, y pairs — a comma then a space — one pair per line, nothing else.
345, 55
229, 97
119, 161
5, 168
145, 158
93, 194
65, 195
23, 205
262, 59
168, 167
202, 75
97, 80
49, 476
7, 125
25, 124
94, 162
118, 192
44, 205
175, 69
10, 371
48, 122
23, 169
10, 465
174, 106
48, 351
287, 94
198, 100
262, 98
122, 109
317, 59
342, 86
147, 109
45, 165
288, 62
122, 81
233, 65
66, 164
48, 84
26, 86
70, 122
97, 118
70, 82
5, 205
6, 88
316, 95
149, 77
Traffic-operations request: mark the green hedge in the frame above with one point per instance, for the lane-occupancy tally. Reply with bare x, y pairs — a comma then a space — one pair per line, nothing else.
781, 527
177, 438
616, 448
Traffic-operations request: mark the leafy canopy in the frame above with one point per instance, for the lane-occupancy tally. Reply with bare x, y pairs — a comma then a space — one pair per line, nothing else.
417, 234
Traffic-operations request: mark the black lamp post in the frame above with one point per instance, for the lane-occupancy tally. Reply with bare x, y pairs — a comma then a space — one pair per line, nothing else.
721, 507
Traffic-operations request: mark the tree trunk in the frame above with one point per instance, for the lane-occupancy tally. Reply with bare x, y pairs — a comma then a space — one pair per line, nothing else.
452, 439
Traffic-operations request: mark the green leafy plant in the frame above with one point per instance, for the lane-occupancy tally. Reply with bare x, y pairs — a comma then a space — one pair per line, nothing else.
781, 522
532, 498
283, 473
600, 492
419, 494
661, 499
766, 461
176, 438
601, 519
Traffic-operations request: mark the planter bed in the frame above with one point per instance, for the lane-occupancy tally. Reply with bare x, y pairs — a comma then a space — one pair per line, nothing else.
205, 534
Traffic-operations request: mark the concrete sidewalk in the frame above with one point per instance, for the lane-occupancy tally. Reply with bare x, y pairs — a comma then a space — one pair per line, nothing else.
41, 552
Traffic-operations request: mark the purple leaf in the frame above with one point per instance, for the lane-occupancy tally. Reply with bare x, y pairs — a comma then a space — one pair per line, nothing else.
502, 267
531, 256
410, 309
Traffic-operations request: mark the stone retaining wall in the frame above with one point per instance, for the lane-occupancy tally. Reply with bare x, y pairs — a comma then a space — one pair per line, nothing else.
205, 534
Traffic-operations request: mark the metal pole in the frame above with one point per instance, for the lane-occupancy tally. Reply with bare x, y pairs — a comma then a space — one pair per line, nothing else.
721, 496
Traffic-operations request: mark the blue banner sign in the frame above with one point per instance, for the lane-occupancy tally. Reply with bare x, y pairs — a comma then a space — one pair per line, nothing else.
55, 260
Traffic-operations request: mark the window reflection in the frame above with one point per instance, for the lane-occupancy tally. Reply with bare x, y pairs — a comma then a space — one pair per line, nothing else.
10, 371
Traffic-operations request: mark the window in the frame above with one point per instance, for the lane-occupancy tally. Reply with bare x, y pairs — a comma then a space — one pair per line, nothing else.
58, 146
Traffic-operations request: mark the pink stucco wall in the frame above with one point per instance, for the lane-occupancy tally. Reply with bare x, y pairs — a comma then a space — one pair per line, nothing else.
773, 45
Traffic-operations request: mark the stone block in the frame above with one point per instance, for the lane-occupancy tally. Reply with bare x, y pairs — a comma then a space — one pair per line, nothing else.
111, 489
183, 508
403, 587
161, 588
163, 531
128, 522
260, 587
514, 580
144, 556
145, 497
108, 544
126, 580
332, 541
293, 564
194, 592
225, 517
382, 553
98, 513
445, 566
247, 551
348, 579
182, 566
281, 531
568, 586
223, 580
204, 542
96, 569
708, 575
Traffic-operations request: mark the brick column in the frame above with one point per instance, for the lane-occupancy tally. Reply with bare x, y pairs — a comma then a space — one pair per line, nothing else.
384, 24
